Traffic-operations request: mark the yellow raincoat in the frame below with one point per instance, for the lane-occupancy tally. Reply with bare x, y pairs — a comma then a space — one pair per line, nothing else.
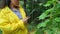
10, 23
0, 8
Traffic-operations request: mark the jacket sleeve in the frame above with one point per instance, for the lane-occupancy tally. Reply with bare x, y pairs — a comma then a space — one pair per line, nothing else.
6, 26
22, 26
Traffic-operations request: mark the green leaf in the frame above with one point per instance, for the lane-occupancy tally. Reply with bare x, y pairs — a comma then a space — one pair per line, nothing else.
45, 14
43, 24
48, 31
39, 31
57, 19
48, 3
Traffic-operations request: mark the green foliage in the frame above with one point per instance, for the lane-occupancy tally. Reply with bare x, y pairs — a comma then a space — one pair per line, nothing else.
48, 22
51, 17
43, 24
46, 14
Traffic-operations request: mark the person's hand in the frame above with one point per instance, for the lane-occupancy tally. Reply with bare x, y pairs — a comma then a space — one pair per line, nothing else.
25, 19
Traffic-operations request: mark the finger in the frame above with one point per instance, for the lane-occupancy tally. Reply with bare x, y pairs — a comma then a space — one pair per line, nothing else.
28, 17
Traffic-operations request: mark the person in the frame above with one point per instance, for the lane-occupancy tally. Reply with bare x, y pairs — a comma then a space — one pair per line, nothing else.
12, 18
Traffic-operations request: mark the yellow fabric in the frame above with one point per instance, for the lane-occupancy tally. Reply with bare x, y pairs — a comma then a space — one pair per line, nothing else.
0, 9
10, 23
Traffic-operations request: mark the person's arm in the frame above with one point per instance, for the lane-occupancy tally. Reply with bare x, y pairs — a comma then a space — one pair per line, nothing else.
6, 26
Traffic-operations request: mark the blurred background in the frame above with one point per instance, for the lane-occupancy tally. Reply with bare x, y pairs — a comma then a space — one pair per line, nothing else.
45, 15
